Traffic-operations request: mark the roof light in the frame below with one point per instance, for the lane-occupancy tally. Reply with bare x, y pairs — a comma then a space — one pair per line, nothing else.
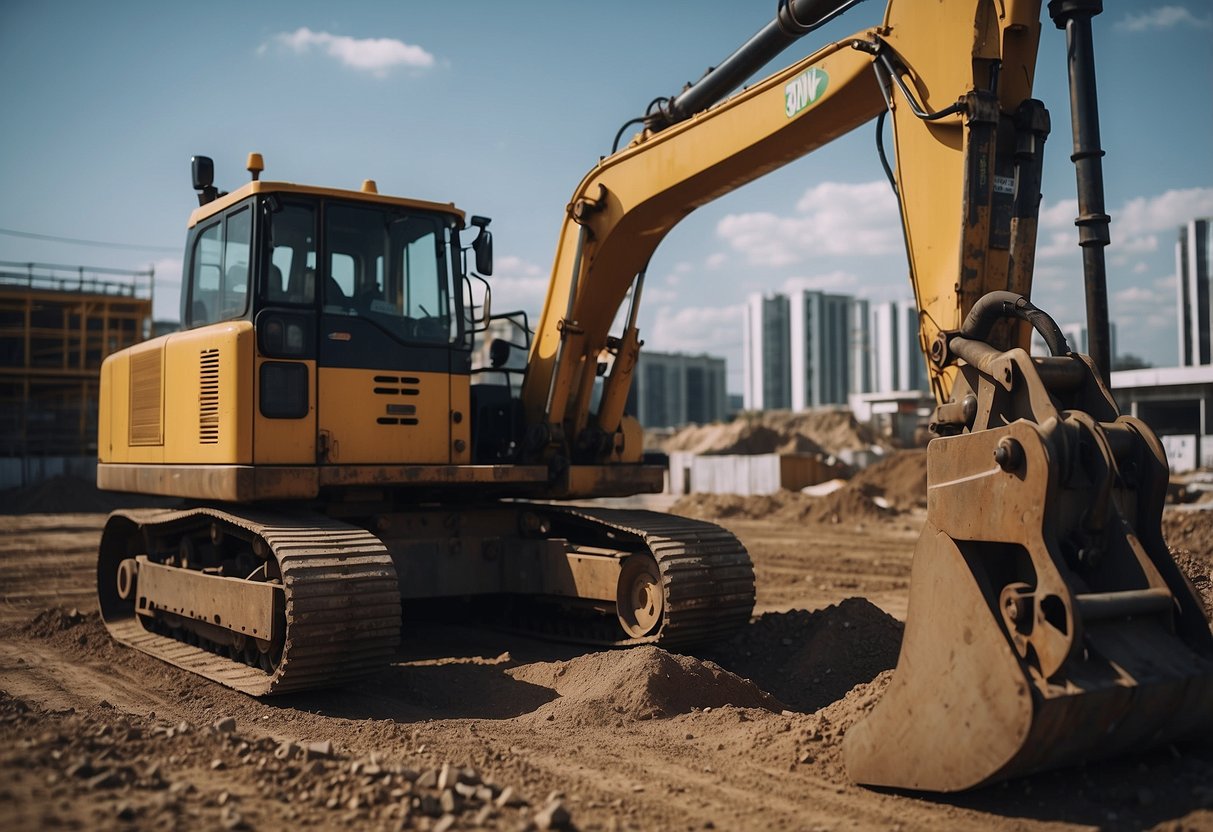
255, 165
369, 186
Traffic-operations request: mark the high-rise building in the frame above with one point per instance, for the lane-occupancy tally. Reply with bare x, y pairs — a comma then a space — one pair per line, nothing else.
861, 347
766, 364
820, 348
1194, 298
672, 389
814, 348
897, 362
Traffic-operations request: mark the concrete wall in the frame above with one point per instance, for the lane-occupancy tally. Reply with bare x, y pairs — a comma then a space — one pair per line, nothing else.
1187, 453
745, 474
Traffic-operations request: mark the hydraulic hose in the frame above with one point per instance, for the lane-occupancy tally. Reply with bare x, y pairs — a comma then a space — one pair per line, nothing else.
994, 306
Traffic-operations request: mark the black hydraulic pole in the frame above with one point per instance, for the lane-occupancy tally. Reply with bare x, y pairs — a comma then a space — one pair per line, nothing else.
1074, 16
795, 18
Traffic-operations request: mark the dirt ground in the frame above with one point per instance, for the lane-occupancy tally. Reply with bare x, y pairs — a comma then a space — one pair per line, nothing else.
479, 729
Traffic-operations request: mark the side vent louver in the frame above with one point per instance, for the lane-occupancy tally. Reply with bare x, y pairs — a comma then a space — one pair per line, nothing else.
146, 425
398, 414
208, 397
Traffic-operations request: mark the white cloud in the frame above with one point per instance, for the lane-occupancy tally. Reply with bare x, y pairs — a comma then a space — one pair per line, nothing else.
1136, 294
696, 329
374, 55
1163, 17
716, 260
1135, 227
829, 282
1165, 212
656, 295
518, 284
832, 218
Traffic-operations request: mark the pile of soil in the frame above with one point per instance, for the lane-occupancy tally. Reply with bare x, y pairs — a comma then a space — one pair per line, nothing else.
73, 495
640, 683
900, 479
845, 505
810, 659
826, 432
1189, 535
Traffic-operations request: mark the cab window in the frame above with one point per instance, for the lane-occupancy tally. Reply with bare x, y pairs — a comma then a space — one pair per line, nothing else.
219, 271
291, 277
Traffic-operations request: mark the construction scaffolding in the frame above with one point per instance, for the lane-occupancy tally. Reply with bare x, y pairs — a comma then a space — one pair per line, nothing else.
57, 324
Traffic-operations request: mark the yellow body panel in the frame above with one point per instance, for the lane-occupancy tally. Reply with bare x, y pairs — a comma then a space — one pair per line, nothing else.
205, 402
461, 421
285, 441
356, 407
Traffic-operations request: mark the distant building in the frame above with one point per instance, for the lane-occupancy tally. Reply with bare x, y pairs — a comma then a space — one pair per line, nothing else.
896, 359
56, 327
1194, 297
813, 349
819, 348
672, 389
766, 361
860, 360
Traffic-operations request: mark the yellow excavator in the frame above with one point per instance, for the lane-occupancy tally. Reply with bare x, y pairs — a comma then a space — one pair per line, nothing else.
340, 458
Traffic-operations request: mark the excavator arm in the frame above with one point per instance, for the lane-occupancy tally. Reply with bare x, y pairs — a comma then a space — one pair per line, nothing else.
942, 60
1047, 621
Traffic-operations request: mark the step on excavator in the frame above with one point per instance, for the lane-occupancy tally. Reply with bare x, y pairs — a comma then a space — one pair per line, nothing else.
341, 459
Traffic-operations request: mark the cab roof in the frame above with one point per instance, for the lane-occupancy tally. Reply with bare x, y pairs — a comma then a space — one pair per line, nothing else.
263, 187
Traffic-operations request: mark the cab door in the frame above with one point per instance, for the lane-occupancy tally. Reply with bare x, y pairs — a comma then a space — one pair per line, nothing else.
386, 340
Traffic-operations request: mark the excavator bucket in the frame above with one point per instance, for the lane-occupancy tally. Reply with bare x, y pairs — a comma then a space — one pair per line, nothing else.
1047, 622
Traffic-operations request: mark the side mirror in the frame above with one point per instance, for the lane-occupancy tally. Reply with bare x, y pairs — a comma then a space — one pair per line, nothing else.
483, 246
203, 169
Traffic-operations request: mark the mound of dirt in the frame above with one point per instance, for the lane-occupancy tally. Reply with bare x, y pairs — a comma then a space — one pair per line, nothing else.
810, 659
900, 478
640, 683
819, 431
845, 505
71, 631
72, 495
50, 623
1189, 534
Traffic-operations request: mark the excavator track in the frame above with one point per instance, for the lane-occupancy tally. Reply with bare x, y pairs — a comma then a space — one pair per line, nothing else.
706, 574
342, 602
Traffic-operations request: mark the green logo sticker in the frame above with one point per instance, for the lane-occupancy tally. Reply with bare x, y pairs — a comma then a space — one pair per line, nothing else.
804, 90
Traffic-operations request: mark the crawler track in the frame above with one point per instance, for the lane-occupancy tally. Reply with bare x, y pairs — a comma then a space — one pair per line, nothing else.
342, 599
706, 573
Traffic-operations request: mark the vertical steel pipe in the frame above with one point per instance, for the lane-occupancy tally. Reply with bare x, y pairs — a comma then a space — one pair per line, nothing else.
1074, 16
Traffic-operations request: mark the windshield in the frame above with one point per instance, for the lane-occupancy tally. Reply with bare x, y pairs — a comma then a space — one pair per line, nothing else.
386, 264
389, 266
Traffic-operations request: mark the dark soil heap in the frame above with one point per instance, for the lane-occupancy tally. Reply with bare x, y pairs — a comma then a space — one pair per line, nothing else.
810, 659
900, 478
639, 683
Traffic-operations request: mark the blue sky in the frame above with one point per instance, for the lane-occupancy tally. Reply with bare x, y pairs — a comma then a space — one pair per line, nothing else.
502, 107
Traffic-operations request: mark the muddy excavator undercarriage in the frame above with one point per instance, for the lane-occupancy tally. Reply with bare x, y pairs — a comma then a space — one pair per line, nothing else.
340, 459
